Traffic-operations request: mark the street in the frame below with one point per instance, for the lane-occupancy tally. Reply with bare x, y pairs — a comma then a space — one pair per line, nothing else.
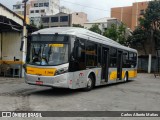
140, 95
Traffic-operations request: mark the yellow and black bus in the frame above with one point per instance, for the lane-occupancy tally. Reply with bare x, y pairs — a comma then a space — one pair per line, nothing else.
69, 57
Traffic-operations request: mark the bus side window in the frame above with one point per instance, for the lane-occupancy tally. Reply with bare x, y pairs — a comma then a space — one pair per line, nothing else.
135, 59
82, 57
99, 55
78, 62
91, 54
131, 60
125, 60
113, 57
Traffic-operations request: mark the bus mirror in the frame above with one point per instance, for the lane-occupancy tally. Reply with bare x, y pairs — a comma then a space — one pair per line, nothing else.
77, 52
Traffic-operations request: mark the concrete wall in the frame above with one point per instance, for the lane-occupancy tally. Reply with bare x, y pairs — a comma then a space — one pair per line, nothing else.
79, 18
56, 24
130, 14
136, 9
88, 25
11, 42
124, 14
143, 64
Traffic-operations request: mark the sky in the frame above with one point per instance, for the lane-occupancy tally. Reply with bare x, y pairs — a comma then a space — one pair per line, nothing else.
94, 8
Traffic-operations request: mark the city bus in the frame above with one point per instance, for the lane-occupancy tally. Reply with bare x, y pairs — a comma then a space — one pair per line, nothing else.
69, 57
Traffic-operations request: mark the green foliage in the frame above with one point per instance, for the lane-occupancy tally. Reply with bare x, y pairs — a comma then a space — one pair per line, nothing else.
95, 28
111, 32
149, 27
116, 33
138, 38
78, 25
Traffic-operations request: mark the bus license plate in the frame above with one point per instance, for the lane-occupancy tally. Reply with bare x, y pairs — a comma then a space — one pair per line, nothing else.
39, 82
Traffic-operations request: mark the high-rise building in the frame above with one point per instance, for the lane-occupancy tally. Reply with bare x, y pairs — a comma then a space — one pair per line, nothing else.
130, 15
19, 8
41, 8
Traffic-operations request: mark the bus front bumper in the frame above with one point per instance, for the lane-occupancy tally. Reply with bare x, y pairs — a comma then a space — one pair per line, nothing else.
51, 81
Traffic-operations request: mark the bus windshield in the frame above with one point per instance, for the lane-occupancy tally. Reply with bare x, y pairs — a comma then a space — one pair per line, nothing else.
48, 54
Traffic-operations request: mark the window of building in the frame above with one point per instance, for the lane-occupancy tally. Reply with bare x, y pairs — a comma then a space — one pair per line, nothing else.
32, 11
45, 20
63, 18
46, 4
35, 4
37, 11
91, 54
16, 7
113, 57
40, 4
42, 11
54, 19
142, 12
99, 55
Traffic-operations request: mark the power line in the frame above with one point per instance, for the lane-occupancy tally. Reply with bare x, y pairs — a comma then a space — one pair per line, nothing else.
99, 8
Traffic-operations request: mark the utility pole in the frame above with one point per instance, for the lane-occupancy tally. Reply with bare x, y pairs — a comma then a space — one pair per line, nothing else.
24, 42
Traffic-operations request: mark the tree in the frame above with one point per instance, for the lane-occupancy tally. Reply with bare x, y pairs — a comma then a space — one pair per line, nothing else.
116, 33
111, 32
122, 34
138, 39
95, 28
150, 24
78, 25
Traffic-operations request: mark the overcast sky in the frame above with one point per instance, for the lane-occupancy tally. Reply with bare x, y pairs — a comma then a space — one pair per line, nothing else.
84, 6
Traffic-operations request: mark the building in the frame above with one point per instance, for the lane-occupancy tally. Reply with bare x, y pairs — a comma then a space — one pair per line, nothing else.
63, 19
11, 27
11, 35
63, 9
129, 15
41, 8
19, 8
79, 18
103, 23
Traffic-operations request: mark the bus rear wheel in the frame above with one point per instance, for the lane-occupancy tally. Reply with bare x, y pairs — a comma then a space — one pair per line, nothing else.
90, 83
126, 77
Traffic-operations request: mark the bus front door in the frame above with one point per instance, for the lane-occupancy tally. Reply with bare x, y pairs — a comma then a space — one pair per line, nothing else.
119, 66
105, 54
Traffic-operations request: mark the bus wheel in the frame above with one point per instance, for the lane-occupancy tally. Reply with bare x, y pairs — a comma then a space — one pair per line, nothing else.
90, 83
126, 77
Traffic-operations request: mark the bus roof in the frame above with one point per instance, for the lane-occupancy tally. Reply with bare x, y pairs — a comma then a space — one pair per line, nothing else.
83, 33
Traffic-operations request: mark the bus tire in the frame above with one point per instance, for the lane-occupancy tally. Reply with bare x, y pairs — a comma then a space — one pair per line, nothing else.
90, 83
126, 77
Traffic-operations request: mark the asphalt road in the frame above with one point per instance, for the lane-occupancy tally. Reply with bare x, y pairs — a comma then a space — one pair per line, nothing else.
143, 94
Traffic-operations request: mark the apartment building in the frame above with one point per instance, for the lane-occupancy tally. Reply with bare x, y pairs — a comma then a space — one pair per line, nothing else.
64, 20
41, 8
129, 15
19, 8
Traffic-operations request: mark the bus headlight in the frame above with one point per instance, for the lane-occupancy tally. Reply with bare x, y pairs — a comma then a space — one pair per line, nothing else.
61, 71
